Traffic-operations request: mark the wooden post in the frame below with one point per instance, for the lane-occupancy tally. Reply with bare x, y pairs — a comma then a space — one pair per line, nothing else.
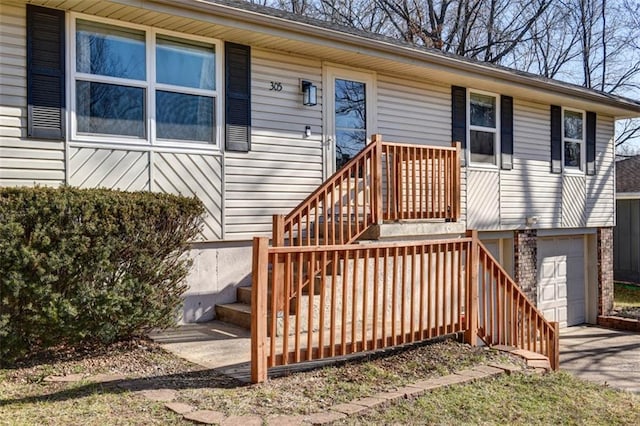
456, 182
377, 179
471, 334
259, 309
277, 240
555, 348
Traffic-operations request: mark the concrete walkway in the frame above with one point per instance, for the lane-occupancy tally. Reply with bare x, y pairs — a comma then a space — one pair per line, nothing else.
602, 355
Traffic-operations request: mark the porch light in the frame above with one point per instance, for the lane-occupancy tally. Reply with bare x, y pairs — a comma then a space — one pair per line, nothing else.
309, 93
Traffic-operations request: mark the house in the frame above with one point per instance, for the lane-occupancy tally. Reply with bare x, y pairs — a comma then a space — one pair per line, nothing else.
626, 234
251, 109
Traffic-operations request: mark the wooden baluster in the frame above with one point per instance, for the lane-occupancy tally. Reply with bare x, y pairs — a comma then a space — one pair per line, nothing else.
376, 297
365, 294
334, 308
323, 307
278, 241
385, 281
394, 289
354, 299
288, 286
260, 283
471, 335
423, 297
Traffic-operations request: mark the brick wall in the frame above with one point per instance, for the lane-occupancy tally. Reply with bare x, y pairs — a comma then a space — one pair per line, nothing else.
526, 262
605, 270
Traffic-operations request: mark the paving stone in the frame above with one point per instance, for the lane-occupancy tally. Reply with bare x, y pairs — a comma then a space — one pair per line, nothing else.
324, 417
106, 378
474, 374
69, 378
242, 421
491, 371
348, 408
162, 395
451, 379
370, 402
278, 420
389, 396
410, 391
208, 417
504, 348
180, 407
539, 363
508, 368
427, 384
528, 355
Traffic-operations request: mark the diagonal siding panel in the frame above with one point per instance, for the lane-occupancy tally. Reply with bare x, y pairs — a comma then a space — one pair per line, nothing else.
573, 201
109, 168
483, 199
193, 175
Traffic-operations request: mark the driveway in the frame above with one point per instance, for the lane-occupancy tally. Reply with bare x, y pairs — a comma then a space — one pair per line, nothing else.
602, 355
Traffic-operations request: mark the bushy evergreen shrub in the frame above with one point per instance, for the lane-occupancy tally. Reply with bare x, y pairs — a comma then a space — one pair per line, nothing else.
91, 265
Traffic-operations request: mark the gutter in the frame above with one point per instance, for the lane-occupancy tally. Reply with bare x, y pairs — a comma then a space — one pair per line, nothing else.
407, 52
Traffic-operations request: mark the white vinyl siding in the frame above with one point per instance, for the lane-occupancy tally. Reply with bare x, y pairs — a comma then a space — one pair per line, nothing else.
283, 167
600, 189
418, 112
23, 161
140, 170
530, 189
414, 112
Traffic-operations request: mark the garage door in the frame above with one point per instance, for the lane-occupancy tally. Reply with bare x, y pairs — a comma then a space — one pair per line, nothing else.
561, 295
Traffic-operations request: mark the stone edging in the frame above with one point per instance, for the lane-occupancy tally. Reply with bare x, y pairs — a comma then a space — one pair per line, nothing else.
536, 362
619, 323
338, 411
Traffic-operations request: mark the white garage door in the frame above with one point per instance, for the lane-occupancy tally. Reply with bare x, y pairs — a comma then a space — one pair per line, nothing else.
561, 295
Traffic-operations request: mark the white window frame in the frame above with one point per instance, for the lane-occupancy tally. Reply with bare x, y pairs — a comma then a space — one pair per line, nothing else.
572, 169
150, 87
496, 131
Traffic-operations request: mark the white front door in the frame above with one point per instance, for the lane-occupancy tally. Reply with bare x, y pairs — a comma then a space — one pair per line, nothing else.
561, 280
349, 114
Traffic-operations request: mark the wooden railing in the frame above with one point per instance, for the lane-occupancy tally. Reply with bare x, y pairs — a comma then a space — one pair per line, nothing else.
385, 181
422, 182
384, 295
507, 317
379, 295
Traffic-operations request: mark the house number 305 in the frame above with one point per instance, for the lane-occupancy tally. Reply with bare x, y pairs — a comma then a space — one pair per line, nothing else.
276, 86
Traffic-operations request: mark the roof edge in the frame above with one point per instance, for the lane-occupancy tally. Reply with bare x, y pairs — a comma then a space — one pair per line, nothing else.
415, 53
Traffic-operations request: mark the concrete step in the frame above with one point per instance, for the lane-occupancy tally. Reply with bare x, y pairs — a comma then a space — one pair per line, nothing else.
235, 313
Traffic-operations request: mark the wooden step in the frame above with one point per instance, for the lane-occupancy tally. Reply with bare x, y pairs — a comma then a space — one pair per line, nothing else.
235, 313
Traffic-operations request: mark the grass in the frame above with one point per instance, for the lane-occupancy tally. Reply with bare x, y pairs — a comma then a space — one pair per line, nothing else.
520, 399
626, 300
26, 399
626, 295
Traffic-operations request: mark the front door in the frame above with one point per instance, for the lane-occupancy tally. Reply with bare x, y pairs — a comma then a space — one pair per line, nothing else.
349, 115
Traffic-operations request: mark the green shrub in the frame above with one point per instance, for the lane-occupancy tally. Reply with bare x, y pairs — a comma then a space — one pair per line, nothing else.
95, 265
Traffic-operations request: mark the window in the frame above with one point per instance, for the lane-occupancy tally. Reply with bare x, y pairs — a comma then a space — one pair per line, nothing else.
573, 139
143, 86
483, 128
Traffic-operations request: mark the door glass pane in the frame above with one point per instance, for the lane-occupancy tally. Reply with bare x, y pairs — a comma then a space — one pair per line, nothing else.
482, 146
483, 110
110, 109
186, 64
572, 154
184, 117
573, 124
350, 119
109, 50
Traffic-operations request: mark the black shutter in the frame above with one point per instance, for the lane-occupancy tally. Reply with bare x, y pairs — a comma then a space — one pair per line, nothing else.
591, 143
45, 73
506, 131
238, 97
556, 139
459, 118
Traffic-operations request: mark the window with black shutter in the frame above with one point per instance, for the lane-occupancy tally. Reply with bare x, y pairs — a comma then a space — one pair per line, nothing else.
238, 97
45, 73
